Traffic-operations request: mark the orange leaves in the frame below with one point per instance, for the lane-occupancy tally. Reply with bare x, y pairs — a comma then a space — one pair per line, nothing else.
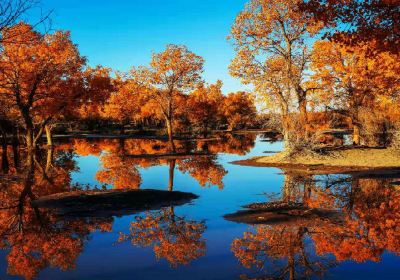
239, 110
46, 65
128, 102
45, 78
352, 75
176, 68
375, 23
204, 106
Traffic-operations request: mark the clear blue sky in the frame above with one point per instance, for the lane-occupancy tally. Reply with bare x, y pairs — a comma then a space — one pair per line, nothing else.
121, 33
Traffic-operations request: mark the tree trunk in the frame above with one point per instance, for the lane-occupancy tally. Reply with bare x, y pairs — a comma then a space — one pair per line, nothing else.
49, 135
29, 138
15, 144
286, 131
4, 158
49, 159
122, 129
356, 135
29, 128
170, 134
303, 129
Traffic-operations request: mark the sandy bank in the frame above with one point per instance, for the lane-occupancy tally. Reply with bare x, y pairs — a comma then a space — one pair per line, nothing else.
334, 161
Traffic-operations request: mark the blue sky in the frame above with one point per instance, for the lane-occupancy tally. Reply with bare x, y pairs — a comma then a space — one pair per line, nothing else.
121, 34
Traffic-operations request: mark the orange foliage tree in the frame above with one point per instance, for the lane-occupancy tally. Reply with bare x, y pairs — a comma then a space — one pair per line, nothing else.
96, 86
36, 73
45, 77
355, 23
204, 107
239, 110
126, 104
270, 32
171, 73
354, 79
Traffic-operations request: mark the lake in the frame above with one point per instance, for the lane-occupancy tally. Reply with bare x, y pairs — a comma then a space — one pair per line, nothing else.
195, 240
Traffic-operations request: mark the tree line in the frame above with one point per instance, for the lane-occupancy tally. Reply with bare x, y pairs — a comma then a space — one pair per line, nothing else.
45, 80
317, 64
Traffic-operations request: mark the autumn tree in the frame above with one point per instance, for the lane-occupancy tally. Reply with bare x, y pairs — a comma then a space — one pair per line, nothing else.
356, 23
94, 89
45, 77
126, 103
204, 107
238, 109
172, 72
355, 80
274, 32
35, 74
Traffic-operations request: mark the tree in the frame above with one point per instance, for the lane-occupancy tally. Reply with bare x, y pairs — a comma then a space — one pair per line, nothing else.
239, 110
269, 32
94, 89
204, 107
37, 74
355, 23
172, 72
126, 103
47, 79
354, 79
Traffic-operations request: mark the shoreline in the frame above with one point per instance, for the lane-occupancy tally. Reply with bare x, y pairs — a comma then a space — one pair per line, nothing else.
361, 161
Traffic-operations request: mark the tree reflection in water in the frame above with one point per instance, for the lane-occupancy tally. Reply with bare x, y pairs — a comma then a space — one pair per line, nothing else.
122, 159
293, 248
173, 238
36, 238
301, 248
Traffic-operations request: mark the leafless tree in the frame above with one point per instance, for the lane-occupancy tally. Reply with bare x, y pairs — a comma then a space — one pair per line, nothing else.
13, 11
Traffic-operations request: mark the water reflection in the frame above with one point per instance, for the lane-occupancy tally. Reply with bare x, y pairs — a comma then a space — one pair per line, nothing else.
331, 219
309, 245
35, 238
122, 159
173, 238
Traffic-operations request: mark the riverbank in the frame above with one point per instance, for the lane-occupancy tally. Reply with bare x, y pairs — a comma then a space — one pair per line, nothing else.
345, 160
157, 134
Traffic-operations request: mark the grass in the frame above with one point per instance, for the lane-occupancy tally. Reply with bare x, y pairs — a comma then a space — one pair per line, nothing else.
332, 160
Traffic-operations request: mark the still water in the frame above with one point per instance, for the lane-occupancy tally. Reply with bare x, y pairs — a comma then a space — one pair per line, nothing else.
194, 241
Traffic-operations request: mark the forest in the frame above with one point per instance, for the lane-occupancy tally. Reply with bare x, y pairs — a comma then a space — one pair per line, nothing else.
313, 66
157, 173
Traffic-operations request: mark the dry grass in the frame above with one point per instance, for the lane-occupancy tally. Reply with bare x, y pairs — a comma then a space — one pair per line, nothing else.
356, 157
